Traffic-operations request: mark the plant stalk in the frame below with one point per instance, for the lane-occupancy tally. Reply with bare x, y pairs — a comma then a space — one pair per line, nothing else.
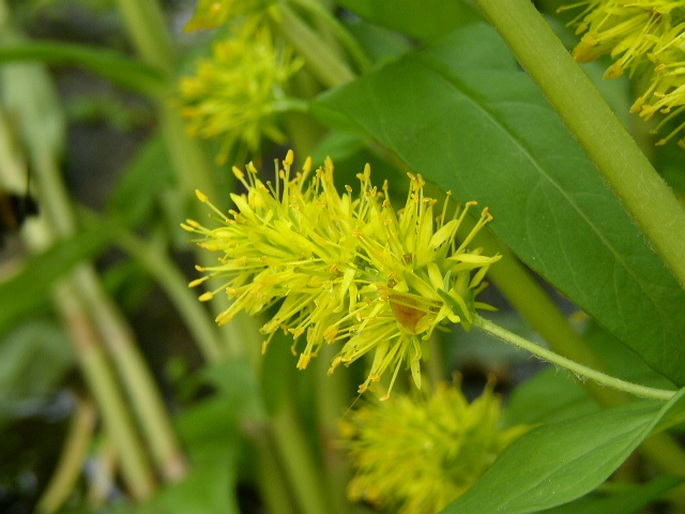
578, 369
629, 173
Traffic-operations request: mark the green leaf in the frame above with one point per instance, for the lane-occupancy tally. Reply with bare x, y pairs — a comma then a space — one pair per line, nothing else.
425, 20
28, 289
551, 395
138, 191
564, 460
209, 488
114, 66
463, 115
621, 362
211, 431
34, 359
631, 499
238, 385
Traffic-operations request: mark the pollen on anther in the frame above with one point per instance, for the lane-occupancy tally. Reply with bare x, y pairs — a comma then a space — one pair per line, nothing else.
238, 174
197, 281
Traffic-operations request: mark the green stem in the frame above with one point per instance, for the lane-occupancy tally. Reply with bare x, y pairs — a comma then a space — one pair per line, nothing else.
332, 399
147, 28
532, 302
72, 459
340, 32
112, 327
271, 477
193, 168
157, 263
576, 368
60, 222
321, 60
103, 385
288, 433
298, 460
138, 382
625, 168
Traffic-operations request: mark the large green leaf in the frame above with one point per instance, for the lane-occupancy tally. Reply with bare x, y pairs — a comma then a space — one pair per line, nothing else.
462, 114
551, 395
630, 499
564, 460
422, 20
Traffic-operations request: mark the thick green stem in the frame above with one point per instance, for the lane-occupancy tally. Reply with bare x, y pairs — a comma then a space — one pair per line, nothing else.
645, 195
271, 476
576, 368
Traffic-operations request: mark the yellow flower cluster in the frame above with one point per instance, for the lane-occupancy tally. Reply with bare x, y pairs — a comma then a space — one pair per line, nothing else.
236, 93
344, 269
421, 453
640, 35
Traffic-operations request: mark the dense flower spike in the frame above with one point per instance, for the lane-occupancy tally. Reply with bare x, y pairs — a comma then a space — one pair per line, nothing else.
236, 94
423, 452
647, 36
343, 269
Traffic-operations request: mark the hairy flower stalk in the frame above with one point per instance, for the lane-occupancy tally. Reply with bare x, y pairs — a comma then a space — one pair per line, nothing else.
343, 269
643, 36
421, 452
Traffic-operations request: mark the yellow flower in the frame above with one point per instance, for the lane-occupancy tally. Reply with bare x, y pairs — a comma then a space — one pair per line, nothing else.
237, 93
647, 36
422, 452
344, 269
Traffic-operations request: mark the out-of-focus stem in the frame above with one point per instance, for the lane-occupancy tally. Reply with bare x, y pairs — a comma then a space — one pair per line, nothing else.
60, 222
70, 465
133, 372
114, 331
136, 471
158, 264
103, 384
146, 26
321, 60
332, 400
298, 461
